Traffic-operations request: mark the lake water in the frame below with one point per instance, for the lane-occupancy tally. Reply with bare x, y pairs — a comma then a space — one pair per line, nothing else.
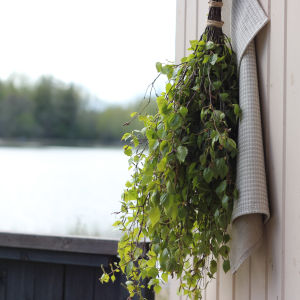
61, 190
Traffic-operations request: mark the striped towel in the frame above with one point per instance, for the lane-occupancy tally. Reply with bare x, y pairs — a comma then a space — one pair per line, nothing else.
251, 209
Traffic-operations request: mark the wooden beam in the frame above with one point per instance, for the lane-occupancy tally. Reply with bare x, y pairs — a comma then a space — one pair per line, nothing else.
59, 243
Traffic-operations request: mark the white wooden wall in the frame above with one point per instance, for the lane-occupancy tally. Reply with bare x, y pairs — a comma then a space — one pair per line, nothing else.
273, 272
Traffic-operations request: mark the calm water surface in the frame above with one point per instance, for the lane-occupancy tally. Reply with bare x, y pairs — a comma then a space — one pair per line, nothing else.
57, 190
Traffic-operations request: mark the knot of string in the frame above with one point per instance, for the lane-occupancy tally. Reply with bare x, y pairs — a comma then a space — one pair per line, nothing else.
215, 4
214, 23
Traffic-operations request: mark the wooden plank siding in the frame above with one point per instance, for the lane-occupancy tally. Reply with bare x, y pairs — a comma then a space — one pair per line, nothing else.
35, 267
273, 272
292, 134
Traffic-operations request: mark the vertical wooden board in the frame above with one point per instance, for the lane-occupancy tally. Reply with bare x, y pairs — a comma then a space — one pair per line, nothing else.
258, 275
292, 204
148, 293
211, 290
79, 283
48, 281
226, 17
242, 282
180, 30
3, 280
108, 290
20, 280
191, 21
225, 284
172, 287
275, 155
202, 16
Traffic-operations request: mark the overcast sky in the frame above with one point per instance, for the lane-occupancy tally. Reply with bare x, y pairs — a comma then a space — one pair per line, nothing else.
108, 46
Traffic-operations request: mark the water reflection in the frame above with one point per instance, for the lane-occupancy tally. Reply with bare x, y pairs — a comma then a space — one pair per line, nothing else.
61, 190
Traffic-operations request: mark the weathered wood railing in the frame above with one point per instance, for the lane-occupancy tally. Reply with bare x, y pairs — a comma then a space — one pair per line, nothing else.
38, 267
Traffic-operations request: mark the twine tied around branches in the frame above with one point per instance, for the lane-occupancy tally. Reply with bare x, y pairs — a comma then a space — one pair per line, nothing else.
214, 23
215, 4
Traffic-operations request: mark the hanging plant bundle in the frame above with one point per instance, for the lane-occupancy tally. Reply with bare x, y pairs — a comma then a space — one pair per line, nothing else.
181, 193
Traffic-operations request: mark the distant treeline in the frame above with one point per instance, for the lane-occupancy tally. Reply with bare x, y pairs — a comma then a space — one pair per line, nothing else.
51, 110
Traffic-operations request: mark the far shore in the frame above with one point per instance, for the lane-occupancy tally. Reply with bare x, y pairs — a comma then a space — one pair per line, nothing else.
37, 143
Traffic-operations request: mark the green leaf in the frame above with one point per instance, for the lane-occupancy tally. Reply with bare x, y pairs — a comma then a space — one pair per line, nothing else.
217, 215
226, 238
183, 111
170, 187
193, 44
219, 115
196, 88
191, 168
165, 255
164, 147
224, 251
168, 87
226, 266
163, 198
213, 266
221, 188
237, 110
165, 277
146, 179
158, 67
152, 272
135, 141
231, 143
129, 268
208, 175
175, 121
221, 167
162, 105
133, 114
214, 59
128, 150
131, 195
206, 59
104, 278
203, 113
117, 223
209, 45
153, 144
221, 58
154, 215
172, 210
167, 70
182, 213
181, 153
225, 202
223, 221
126, 136
203, 159
157, 289
162, 164
224, 96
217, 84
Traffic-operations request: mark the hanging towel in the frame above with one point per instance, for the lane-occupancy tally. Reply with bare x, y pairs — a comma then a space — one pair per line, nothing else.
251, 209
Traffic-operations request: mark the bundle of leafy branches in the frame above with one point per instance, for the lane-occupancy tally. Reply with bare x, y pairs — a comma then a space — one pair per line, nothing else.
180, 196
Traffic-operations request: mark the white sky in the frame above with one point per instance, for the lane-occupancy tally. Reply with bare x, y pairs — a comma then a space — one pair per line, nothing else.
108, 46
